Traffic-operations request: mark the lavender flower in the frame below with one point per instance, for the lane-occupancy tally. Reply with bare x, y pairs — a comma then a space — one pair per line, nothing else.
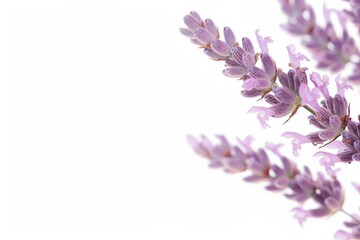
354, 226
329, 50
330, 116
298, 185
286, 92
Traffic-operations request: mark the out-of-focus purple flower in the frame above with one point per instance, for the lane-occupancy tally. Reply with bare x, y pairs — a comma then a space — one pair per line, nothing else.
222, 155
343, 235
301, 215
329, 50
327, 193
259, 166
353, 226
328, 160
299, 186
301, 17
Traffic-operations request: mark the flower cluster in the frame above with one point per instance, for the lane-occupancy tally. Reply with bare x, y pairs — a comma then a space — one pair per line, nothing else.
284, 91
299, 186
329, 50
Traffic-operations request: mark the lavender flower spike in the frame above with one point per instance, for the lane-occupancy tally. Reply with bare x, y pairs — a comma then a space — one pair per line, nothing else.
300, 185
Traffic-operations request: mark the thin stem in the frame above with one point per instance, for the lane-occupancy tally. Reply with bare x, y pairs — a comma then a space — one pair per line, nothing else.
312, 111
349, 215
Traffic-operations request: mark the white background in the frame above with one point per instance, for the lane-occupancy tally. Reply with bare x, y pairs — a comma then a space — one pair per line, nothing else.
96, 99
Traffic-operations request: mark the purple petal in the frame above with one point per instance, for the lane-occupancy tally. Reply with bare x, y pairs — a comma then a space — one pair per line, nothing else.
235, 72
186, 32
309, 97
211, 27
247, 45
281, 109
191, 22
301, 215
263, 42
295, 58
356, 186
328, 160
284, 95
275, 148
268, 65
250, 83
229, 36
341, 87
220, 47
263, 115
248, 60
210, 53
321, 83
333, 204
342, 235
335, 122
328, 134
196, 15
298, 139
203, 35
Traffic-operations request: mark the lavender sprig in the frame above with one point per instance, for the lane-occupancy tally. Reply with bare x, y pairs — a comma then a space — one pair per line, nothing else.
285, 96
331, 51
297, 185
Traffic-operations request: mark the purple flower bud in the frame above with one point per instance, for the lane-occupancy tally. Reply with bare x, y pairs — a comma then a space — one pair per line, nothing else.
203, 35
235, 72
268, 65
247, 45
220, 47
191, 22
237, 53
186, 32
248, 60
315, 122
257, 73
196, 15
271, 99
327, 134
210, 53
251, 93
284, 95
211, 27
281, 109
229, 37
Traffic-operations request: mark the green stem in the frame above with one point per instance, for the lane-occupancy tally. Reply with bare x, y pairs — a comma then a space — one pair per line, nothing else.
349, 215
312, 111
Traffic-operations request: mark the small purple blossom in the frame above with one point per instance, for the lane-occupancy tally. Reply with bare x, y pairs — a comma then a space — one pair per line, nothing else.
297, 141
295, 58
263, 115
